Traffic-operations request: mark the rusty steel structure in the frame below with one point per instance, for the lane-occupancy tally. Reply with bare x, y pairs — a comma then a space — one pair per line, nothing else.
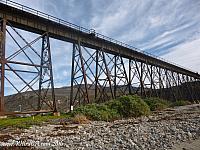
98, 76
42, 71
102, 68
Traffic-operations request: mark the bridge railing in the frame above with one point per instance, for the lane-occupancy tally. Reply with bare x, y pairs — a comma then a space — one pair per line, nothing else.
82, 29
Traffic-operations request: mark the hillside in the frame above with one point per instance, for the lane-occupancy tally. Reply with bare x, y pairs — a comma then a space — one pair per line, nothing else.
13, 102
62, 95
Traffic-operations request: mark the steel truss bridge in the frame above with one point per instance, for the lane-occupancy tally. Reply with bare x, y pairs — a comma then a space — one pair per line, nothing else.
102, 68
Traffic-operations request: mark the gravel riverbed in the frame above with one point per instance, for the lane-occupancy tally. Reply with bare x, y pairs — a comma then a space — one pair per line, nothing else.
162, 130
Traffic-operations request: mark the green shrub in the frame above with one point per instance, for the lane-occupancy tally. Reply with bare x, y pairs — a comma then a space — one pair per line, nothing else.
97, 112
116, 106
89, 110
132, 106
157, 104
107, 114
181, 103
129, 106
125, 106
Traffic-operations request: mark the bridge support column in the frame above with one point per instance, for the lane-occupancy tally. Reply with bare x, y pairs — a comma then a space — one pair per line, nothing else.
46, 75
23, 62
151, 80
91, 76
79, 86
72, 78
121, 81
129, 77
2, 63
188, 84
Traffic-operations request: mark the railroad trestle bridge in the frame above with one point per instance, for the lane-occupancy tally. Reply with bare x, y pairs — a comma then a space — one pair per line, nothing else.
102, 68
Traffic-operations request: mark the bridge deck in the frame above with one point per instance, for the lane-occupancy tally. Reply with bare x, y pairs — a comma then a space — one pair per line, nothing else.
37, 22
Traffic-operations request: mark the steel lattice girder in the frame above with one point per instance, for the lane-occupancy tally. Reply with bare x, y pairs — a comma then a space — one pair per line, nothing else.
110, 77
41, 73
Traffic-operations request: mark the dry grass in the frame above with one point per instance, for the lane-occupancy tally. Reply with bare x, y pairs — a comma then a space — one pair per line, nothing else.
80, 119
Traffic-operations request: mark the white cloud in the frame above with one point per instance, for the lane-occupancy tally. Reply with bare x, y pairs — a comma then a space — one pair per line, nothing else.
187, 55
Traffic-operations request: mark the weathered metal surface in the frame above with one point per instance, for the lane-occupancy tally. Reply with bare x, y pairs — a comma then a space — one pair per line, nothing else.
2, 63
109, 79
38, 22
42, 70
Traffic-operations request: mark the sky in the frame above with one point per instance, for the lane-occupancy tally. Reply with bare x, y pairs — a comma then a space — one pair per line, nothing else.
168, 29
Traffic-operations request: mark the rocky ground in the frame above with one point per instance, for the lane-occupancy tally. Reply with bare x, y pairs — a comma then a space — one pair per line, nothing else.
177, 128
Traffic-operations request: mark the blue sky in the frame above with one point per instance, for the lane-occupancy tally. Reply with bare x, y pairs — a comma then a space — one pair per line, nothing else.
169, 29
